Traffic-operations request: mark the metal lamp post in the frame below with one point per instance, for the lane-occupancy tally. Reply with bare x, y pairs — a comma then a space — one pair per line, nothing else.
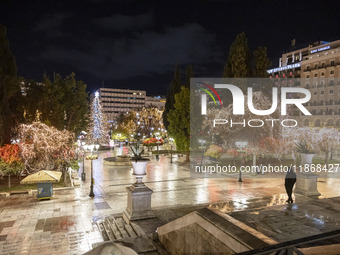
241, 145
92, 147
240, 172
157, 137
83, 174
171, 141
202, 142
170, 153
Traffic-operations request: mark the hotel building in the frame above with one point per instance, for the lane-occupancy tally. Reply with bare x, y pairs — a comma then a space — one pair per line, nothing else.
319, 67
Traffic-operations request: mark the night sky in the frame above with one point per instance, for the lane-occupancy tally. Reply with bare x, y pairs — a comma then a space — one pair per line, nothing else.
136, 44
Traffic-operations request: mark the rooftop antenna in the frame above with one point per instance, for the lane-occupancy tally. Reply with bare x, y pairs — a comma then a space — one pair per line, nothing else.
102, 84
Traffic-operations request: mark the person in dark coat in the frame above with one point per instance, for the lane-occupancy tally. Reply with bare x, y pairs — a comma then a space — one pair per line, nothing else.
289, 184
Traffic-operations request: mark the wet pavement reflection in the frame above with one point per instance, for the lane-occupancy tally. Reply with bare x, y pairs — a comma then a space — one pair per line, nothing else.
65, 224
293, 221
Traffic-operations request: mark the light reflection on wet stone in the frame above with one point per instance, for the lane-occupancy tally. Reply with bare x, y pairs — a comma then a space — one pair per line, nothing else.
65, 223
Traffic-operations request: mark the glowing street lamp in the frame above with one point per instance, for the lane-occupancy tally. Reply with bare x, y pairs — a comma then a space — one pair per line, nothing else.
241, 145
171, 140
83, 175
91, 148
202, 142
157, 137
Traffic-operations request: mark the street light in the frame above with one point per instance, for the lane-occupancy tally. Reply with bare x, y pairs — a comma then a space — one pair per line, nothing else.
202, 142
157, 137
241, 145
171, 141
91, 148
83, 175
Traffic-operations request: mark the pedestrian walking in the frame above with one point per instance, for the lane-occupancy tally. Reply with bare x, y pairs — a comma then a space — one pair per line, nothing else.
289, 184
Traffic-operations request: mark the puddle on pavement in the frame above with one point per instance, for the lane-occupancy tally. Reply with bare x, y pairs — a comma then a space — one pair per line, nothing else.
247, 204
56, 224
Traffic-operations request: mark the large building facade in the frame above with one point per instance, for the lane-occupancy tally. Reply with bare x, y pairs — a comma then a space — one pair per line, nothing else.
318, 66
155, 101
320, 71
118, 101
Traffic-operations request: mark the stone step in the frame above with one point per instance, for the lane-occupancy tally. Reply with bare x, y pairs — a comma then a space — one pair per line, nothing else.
121, 226
139, 231
102, 230
130, 230
108, 230
130, 234
117, 229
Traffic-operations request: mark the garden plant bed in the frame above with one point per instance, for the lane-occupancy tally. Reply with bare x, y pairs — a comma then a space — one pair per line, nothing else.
17, 188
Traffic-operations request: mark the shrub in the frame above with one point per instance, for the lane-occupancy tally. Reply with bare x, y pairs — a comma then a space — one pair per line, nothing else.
214, 151
152, 142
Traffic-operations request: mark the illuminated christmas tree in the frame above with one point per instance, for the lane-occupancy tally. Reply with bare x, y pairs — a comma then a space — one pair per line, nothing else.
98, 131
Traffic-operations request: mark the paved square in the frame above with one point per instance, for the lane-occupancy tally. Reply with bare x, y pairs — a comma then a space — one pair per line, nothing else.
66, 223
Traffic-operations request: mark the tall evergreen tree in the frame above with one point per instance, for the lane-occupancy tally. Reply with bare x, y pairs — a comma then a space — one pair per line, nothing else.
189, 73
262, 62
10, 93
98, 131
238, 62
63, 102
179, 118
175, 87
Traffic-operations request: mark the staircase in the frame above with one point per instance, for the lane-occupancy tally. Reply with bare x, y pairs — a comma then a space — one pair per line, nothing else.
130, 235
113, 229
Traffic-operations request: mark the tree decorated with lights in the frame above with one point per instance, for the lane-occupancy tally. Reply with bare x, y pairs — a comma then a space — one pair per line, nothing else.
98, 130
234, 133
316, 140
44, 147
144, 122
328, 139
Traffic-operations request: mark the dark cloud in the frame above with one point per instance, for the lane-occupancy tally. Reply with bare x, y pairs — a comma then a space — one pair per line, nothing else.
49, 23
119, 22
144, 54
138, 42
